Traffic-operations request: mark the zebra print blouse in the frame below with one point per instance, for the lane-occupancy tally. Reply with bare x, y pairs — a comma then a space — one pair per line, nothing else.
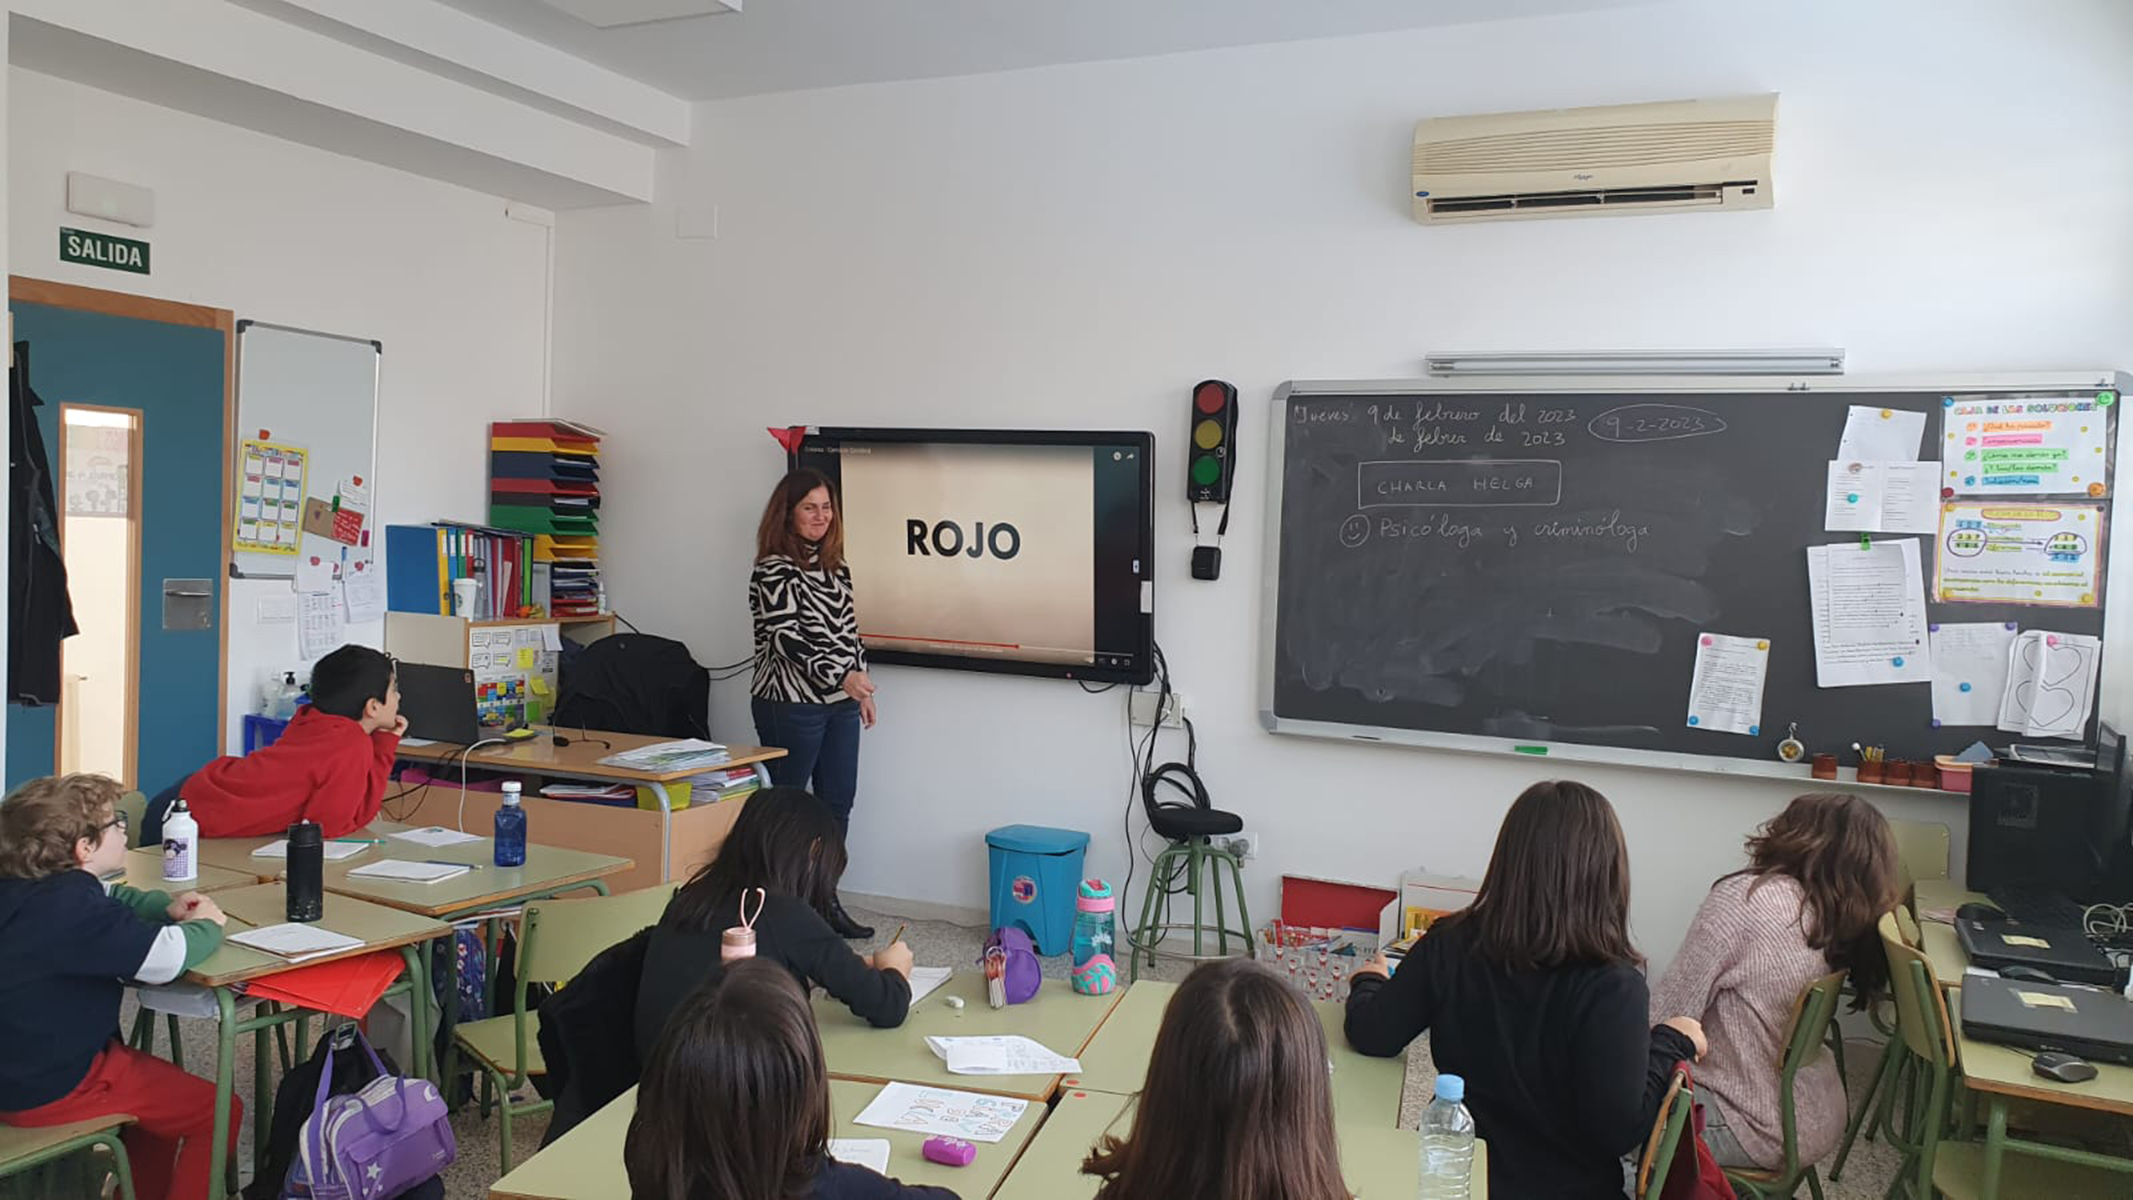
806, 632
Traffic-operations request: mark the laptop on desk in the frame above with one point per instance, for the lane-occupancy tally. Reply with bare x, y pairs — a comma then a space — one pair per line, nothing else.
2094, 1024
438, 703
2060, 951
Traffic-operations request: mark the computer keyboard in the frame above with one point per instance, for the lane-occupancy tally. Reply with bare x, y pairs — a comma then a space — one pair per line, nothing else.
2036, 906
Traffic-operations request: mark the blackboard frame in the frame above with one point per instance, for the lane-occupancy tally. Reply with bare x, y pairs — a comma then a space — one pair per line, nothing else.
1277, 445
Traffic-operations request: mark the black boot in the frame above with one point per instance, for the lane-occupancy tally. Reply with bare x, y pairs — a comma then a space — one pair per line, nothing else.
843, 925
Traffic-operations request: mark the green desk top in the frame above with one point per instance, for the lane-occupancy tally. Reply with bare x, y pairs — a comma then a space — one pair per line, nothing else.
144, 872
261, 904
1056, 1017
1365, 1090
1377, 1162
586, 1163
546, 868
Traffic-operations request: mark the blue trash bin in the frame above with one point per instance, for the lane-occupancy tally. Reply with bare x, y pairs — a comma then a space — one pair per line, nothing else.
1035, 870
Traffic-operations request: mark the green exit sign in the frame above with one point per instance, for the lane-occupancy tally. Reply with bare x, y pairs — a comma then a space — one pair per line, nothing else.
103, 250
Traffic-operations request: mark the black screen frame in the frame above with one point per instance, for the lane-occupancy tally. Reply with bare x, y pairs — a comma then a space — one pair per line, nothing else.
1139, 665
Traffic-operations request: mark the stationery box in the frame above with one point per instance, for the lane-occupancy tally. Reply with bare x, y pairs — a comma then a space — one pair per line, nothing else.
1422, 898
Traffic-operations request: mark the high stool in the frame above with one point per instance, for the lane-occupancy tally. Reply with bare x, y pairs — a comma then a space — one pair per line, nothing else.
1189, 826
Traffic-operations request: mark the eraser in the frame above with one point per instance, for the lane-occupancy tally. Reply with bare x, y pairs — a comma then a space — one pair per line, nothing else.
948, 1151
953, 1001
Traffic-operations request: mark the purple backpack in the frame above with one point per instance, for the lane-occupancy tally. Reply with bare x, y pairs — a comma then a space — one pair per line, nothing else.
374, 1143
1021, 973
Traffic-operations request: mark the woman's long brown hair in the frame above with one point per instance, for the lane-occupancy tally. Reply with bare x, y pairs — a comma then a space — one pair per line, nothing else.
774, 534
735, 1101
1238, 1102
1840, 850
1557, 889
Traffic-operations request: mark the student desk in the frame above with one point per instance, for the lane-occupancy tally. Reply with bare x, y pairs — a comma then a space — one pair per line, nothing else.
666, 843
1376, 1161
1056, 1016
2000, 1073
267, 904
586, 1163
144, 872
1366, 1091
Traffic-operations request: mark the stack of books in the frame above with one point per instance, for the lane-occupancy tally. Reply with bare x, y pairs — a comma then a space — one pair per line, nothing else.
544, 480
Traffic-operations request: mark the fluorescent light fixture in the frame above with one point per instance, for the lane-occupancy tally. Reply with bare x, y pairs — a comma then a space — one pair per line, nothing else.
614, 14
1816, 361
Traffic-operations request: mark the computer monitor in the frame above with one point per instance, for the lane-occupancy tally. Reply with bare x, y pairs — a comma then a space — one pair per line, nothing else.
2030, 829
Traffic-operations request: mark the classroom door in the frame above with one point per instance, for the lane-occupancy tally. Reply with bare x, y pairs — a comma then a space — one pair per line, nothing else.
163, 367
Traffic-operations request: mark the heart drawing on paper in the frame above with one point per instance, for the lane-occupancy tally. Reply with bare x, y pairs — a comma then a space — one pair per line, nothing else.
2048, 695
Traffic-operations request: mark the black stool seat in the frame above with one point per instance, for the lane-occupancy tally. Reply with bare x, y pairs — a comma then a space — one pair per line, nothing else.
1177, 823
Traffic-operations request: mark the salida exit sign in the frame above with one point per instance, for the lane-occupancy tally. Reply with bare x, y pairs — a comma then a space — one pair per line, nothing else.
103, 250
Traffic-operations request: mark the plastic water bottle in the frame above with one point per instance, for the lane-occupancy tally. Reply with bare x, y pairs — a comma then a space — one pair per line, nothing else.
1447, 1143
511, 829
1095, 933
181, 844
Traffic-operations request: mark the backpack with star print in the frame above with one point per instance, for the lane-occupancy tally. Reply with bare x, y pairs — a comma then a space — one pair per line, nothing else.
385, 1139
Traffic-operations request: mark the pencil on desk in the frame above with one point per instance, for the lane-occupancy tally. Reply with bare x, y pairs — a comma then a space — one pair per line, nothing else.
362, 841
899, 933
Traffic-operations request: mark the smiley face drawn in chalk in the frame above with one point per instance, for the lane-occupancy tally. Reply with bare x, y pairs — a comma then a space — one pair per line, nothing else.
1355, 531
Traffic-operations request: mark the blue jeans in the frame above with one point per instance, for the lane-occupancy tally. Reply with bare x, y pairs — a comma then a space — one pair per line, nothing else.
821, 744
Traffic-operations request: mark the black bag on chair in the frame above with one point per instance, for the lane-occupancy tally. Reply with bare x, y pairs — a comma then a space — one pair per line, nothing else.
636, 683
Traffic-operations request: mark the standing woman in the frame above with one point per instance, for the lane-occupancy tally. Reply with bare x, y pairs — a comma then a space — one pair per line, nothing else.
811, 694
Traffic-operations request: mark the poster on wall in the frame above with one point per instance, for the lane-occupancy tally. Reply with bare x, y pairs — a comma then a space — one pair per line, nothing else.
2017, 552
270, 497
2026, 445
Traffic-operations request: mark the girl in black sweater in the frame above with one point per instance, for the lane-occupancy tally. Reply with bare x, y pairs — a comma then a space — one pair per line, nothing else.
1537, 998
786, 843
735, 1102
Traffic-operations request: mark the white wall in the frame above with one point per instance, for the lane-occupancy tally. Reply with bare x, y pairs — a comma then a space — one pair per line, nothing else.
1076, 246
283, 233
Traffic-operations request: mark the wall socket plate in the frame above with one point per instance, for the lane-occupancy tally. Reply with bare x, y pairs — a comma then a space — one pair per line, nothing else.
1143, 707
1244, 845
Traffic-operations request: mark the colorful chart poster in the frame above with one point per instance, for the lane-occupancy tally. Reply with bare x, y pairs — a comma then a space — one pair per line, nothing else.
270, 497
2010, 552
2030, 445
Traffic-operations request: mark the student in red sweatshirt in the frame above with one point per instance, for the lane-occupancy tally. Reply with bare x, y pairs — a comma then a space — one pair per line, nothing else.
67, 948
330, 765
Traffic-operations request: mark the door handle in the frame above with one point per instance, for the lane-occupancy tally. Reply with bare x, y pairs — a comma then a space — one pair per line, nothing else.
181, 592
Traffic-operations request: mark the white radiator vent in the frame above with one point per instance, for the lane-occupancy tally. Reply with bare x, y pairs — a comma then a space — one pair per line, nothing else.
1702, 154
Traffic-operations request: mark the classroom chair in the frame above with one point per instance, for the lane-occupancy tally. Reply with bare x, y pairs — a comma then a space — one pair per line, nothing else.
1892, 1075
40, 1150
1935, 1164
1188, 826
1811, 1017
1667, 1127
556, 938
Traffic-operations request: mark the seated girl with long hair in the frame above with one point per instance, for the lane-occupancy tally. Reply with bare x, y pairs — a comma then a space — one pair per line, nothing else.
1238, 1100
735, 1102
1819, 876
1536, 997
786, 843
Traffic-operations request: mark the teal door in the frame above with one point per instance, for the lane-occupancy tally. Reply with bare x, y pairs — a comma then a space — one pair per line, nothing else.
172, 376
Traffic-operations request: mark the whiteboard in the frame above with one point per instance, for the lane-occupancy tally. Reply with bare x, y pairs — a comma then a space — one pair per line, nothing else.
317, 391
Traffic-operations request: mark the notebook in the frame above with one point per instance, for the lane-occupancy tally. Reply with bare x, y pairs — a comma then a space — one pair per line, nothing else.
335, 851
436, 835
403, 871
295, 942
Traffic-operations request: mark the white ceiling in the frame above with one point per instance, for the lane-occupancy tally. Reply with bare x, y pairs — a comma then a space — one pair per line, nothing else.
784, 45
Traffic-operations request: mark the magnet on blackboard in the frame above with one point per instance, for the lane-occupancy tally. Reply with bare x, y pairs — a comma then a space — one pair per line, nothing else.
1896, 661
1962, 687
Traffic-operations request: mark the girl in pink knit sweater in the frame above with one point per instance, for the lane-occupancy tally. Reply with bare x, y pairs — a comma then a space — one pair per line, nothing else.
1819, 876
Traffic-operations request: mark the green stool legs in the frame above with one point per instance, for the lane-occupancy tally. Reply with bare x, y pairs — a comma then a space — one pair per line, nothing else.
1191, 858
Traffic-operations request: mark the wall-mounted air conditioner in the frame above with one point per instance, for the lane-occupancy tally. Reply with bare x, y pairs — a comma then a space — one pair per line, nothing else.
1712, 155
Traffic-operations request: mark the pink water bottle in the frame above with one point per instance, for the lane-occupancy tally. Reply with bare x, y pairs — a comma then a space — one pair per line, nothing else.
1095, 973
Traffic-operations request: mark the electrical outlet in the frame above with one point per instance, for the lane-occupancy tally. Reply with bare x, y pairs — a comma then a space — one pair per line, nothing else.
1144, 708
1244, 845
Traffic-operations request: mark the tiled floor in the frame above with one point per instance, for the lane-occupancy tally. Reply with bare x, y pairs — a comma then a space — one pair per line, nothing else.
941, 944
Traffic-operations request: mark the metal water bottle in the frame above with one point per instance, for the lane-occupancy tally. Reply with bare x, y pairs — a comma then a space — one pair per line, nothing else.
306, 881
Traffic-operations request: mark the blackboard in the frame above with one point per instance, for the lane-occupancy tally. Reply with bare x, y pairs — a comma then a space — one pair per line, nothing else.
1513, 567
